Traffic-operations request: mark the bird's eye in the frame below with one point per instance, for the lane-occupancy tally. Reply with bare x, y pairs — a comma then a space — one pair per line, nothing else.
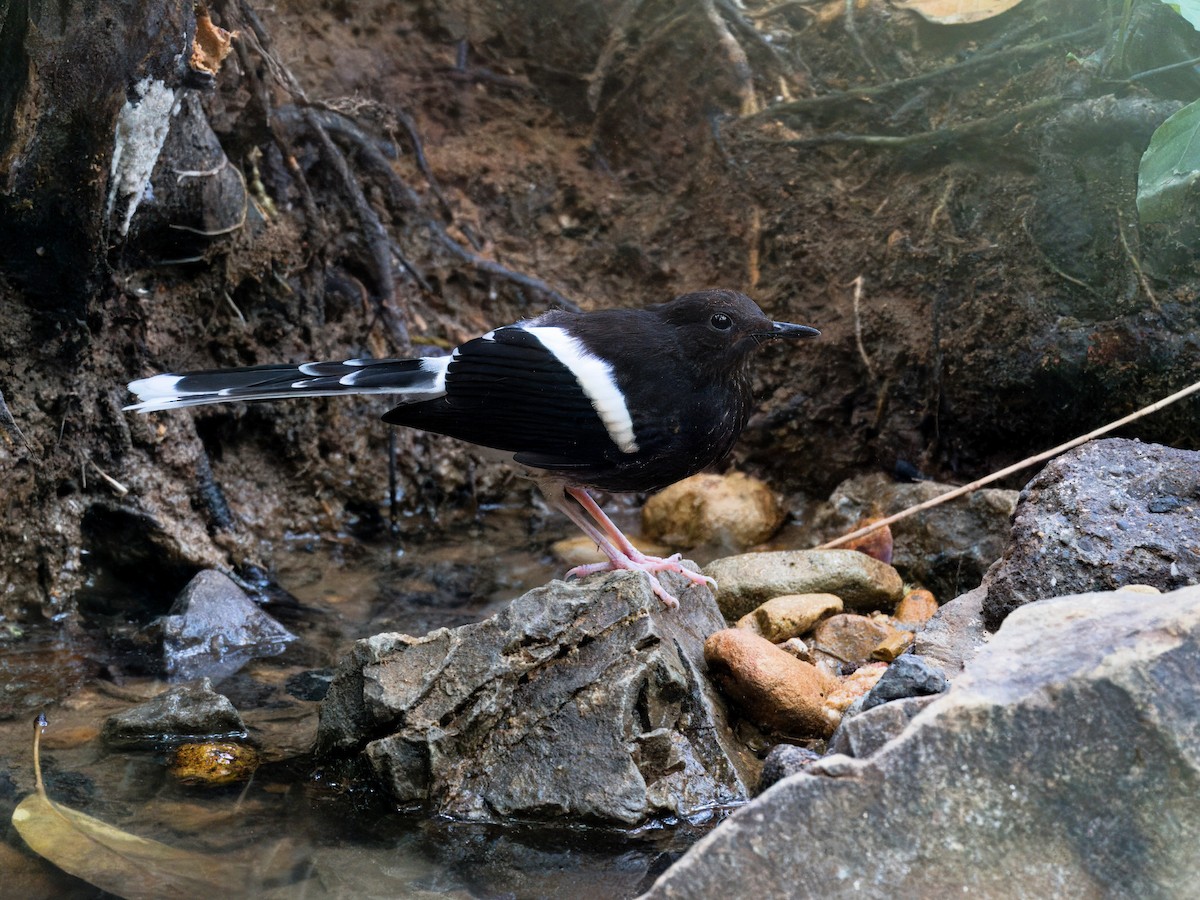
721, 322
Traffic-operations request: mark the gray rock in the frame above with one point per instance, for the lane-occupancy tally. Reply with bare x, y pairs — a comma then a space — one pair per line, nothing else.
748, 580
189, 712
581, 701
214, 629
955, 633
1107, 514
863, 733
906, 676
946, 549
782, 761
1065, 762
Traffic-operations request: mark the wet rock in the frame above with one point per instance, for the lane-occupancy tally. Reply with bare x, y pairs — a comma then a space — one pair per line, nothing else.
1077, 707
214, 629
917, 607
733, 511
784, 760
908, 676
750, 579
954, 634
861, 735
1107, 514
582, 701
190, 711
849, 637
948, 548
789, 616
768, 686
213, 763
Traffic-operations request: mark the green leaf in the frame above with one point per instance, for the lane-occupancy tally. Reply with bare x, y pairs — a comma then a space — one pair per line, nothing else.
1170, 169
1189, 9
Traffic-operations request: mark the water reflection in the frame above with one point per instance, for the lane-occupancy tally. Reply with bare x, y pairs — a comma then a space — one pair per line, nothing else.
305, 837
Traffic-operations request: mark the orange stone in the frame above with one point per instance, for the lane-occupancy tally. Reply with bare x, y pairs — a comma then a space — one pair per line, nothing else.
916, 608
769, 686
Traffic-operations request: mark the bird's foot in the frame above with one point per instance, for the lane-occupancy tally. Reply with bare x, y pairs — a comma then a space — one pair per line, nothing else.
650, 565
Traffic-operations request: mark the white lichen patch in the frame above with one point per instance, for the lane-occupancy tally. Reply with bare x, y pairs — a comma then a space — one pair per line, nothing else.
141, 130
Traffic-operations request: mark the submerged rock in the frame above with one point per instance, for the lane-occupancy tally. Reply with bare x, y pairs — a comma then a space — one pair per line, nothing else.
1065, 761
214, 629
189, 712
580, 702
1108, 514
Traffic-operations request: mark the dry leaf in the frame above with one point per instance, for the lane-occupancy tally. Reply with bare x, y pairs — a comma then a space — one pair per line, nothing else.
957, 12
118, 862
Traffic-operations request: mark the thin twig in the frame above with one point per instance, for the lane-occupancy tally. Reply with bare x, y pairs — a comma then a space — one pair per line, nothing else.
841, 98
1137, 266
109, 480
1015, 467
1162, 70
857, 283
941, 137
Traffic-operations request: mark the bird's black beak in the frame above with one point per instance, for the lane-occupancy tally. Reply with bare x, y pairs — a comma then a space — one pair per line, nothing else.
788, 330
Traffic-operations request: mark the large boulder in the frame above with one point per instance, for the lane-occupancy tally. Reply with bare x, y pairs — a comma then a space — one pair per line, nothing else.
1064, 762
1108, 514
581, 701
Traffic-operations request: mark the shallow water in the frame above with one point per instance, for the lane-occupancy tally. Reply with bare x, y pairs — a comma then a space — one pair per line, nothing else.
302, 835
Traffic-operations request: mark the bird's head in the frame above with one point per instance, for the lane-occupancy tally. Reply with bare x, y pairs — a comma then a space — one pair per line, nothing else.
724, 326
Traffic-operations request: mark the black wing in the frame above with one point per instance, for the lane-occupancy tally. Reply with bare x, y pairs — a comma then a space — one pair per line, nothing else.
509, 392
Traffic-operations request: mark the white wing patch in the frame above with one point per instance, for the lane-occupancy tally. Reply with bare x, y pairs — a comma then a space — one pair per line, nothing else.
595, 377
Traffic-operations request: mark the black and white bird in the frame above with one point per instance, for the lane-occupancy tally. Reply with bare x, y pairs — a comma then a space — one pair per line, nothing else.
617, 399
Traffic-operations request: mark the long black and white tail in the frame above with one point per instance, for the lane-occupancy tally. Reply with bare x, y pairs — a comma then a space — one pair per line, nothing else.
412, 379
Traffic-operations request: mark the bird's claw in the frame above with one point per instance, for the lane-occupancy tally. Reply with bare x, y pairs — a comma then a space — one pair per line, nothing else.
650, 565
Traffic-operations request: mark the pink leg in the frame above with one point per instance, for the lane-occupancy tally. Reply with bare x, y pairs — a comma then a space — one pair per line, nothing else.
615, 545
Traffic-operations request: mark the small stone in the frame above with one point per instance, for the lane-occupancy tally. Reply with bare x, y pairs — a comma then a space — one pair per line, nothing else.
188, 711
796, 648
1140, 588
215, 628
213, 764
893, 646
733, 510
768, 686
750, 579
877, 544
908, 676
857, 684
790, 616
782, 761
849, 637
582, 550
917, 607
